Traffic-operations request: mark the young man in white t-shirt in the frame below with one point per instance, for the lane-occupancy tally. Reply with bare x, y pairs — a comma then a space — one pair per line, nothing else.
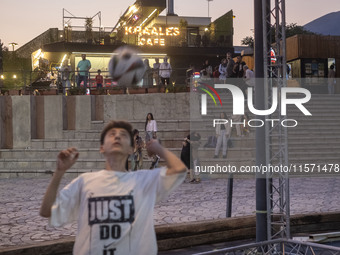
113, 207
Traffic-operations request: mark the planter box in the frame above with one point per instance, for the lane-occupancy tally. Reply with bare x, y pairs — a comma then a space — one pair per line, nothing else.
137, 91
98, 92
49, 92
114, 91
14, 92
154, 90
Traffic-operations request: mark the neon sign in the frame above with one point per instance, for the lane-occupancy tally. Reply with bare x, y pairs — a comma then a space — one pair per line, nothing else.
152, 35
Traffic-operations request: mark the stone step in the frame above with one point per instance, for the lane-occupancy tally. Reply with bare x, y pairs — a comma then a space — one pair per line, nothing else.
231, 153
162, 124
140, 124
64, 143
46, 166
92, 143
91, 153
97, 125
93, 134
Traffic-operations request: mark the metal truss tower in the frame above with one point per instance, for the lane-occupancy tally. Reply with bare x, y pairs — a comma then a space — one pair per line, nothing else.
275, 68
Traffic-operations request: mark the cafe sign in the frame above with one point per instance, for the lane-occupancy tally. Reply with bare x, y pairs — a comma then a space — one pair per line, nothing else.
152, 35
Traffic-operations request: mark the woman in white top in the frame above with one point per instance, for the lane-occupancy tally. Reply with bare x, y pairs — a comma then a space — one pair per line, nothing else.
150, 127
223, 70
165, 71
151, 133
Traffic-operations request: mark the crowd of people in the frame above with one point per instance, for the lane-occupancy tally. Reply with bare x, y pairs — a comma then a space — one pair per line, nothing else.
160, 73
228, 68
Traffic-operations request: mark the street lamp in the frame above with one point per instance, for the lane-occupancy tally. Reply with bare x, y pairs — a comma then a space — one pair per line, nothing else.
208, 6
13, 45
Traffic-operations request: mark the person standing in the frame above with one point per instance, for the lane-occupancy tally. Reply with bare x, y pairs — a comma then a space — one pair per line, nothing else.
65, 76
331, 79
195, 142
147, 78
223, 132
238, 67
137, 157
206, 71
185, 152
223, 70
165, 71
155, 67
151, 133
249, 76
114, 208
230, 66
99, 79
83, 68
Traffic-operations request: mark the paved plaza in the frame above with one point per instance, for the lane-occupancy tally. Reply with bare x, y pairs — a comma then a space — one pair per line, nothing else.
20, 198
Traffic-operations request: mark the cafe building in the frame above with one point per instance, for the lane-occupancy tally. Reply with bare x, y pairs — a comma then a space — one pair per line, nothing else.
183, 40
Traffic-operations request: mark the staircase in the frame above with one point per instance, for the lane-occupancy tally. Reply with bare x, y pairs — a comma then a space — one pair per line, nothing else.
316, 140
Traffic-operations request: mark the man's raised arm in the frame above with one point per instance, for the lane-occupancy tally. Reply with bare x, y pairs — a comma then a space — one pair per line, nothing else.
173, 163
65, 160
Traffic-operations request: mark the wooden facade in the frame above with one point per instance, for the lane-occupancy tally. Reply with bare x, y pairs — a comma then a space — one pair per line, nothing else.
313, 47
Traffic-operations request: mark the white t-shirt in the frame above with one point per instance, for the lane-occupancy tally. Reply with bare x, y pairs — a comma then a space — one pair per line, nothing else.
165, 70
250, 78
151, 126
114, 210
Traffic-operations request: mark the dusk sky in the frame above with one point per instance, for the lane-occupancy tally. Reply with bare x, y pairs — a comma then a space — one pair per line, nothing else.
21, 21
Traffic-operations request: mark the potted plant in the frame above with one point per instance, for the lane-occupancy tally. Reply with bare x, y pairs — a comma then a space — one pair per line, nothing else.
183, 25
136, 90
114, 91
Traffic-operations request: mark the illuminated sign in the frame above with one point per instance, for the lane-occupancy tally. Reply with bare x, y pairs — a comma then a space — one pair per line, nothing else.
152, 35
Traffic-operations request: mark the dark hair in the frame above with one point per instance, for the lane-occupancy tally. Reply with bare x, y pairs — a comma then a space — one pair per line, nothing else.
117, 124
99, 71
134, 132
146, 121
332, 67
225, 115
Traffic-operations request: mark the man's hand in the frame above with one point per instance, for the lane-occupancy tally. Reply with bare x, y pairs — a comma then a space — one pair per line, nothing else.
173, 163
66, 159
153, 147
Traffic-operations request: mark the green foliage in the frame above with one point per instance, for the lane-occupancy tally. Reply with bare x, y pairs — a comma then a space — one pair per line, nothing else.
88, 29
248, 41
291, 30
183, 25
77, 91
294, 29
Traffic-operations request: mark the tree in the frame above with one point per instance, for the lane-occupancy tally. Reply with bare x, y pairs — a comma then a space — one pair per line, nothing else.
291, 30
294, 29
248, 41
183, 25
2, 50
88, 30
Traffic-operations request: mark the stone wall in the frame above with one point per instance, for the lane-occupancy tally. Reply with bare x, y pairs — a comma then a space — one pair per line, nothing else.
23, 118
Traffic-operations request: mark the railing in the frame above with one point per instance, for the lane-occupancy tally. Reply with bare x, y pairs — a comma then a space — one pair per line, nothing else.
277, 247
55, 82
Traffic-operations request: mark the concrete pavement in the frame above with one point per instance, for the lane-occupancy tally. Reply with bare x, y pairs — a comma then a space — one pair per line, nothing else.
20, 198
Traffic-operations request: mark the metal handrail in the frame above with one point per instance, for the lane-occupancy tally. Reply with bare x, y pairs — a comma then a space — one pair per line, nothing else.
277, 246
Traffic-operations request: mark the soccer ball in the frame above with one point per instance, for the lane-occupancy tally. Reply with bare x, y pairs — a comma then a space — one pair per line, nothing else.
125, 67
